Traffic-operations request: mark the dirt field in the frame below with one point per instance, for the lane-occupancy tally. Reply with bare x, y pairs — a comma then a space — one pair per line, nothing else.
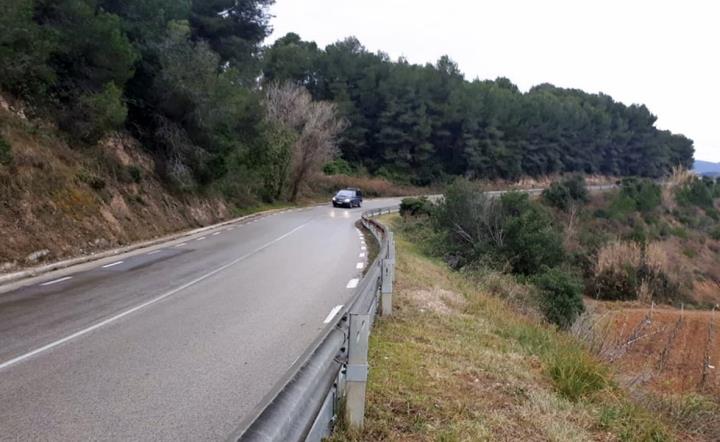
664, 349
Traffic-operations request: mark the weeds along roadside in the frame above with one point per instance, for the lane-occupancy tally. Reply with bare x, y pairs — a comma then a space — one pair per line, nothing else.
457, 363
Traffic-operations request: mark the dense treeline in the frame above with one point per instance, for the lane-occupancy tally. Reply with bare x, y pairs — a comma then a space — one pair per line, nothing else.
184, 76
425, 122
181, 75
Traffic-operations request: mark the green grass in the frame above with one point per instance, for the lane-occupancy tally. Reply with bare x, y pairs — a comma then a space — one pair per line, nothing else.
457, 364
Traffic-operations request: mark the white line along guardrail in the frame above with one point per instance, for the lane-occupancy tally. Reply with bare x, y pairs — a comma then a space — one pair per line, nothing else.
305, 404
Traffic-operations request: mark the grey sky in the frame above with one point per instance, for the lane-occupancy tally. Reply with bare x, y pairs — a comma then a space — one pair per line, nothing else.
663, 54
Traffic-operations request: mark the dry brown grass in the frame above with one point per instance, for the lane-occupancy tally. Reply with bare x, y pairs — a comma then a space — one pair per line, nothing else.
679, 177
371, 187
542, 182
618, 256
72, 201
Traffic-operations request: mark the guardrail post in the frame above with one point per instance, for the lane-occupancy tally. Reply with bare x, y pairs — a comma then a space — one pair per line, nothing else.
387, 287
357, 370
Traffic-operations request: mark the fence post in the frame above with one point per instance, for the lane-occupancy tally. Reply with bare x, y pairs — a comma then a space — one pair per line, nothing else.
357, 370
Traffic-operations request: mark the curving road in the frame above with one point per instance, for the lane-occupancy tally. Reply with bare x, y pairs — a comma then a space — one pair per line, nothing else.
176, 342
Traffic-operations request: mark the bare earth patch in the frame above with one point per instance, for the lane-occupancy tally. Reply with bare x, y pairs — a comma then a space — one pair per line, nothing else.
436, 300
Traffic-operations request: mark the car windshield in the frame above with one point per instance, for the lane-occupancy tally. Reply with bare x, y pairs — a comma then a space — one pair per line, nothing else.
345, 194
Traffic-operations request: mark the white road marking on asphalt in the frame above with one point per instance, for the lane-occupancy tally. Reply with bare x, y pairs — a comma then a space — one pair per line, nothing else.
200, 239
181, 244
363, 248
154, 252
113, 264
332, 314
231, 229
360, 265
216, 233
57, 280
362, 255
145, 304
353, 283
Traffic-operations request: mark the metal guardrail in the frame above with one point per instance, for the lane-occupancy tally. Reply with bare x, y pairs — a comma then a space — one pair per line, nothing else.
330, 377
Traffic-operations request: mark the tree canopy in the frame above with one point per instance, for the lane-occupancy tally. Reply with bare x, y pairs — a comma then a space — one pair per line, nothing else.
189, 79
422, 123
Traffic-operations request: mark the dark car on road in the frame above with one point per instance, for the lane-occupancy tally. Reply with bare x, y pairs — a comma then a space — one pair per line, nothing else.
350, 197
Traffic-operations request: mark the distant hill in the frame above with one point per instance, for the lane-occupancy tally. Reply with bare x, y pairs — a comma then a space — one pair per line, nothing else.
707, 168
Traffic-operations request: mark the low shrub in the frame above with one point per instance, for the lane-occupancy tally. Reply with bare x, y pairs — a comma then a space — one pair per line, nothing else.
576, 374
636, 195
94, 181
135, 173
510, 231
696, 414
629, 271
564, 194
715, 233
561, 296
6, 156
415, 206
338, 167
632, 423
697, 192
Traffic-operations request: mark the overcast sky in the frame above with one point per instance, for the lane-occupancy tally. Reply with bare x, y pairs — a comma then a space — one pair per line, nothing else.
664, 54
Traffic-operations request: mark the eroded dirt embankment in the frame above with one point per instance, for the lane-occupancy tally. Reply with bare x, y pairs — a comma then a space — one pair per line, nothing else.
58, 201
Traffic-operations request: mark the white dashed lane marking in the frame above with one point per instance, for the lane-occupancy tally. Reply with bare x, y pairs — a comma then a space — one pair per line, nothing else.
216, 233
107, 266
360, 265
332, 314
57, 280
130, 311
200, 239
353, 283
154, 252
181, 244
362, 255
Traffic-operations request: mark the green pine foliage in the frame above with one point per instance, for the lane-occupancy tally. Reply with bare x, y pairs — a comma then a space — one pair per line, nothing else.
425, 123
182, 76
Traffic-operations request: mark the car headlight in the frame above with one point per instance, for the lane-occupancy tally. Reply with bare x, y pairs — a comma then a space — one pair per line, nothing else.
333, 198
347, 200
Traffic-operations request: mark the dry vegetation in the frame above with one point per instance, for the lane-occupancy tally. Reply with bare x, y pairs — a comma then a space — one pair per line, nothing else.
668, 358
372, 187
57, 201
458, 363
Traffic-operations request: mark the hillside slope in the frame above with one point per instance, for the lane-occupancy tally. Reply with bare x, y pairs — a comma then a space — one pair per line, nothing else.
58, 201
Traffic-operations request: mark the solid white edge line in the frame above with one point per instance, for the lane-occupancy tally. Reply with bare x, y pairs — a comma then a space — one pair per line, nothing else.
352, 283
332, 314
143, 305
55, 281
116, 263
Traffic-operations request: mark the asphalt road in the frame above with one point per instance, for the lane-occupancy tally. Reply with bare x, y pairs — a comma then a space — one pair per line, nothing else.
176, 342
